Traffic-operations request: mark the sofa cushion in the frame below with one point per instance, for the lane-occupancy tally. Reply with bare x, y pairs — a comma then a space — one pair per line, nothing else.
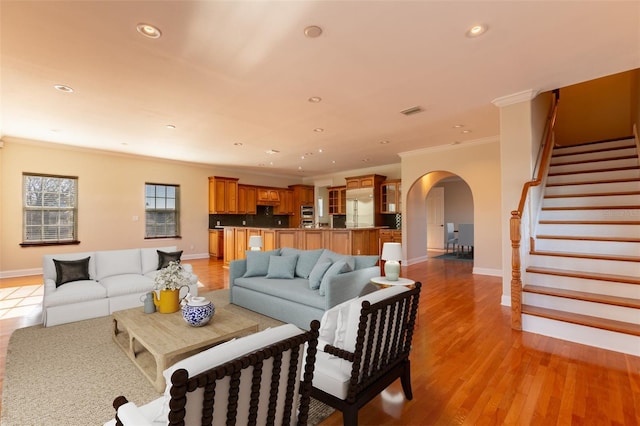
258, 262
318, 271
296, 290
74, 292
338, 267
117, 262
306, 260
71, 270
362, 262
149, 257
334, 257
49, 267
282, 267
164, 258
118, 285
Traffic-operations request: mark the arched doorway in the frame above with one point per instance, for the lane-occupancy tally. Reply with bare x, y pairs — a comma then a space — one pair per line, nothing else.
451, 201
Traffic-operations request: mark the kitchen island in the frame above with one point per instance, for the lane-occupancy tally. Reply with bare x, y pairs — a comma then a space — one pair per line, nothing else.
354, 241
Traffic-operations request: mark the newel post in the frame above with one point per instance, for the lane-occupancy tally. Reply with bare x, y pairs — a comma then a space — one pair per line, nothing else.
516, 278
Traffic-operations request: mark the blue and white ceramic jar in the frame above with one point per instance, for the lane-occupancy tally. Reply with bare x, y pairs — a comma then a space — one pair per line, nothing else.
197, 311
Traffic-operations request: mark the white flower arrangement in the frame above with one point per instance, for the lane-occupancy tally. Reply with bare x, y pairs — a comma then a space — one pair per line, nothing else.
171, 277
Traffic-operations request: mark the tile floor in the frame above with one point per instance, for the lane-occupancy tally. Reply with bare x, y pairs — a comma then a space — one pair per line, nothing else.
24, 301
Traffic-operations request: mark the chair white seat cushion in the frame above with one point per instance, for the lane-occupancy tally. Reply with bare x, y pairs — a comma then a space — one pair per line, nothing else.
332, 374
74, 292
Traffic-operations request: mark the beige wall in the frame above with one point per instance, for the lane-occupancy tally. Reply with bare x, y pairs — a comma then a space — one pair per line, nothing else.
111, 190
478, 164
597, 110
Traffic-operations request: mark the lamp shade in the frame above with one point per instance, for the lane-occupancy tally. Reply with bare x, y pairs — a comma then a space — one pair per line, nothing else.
255, 242
391, 251
391, 254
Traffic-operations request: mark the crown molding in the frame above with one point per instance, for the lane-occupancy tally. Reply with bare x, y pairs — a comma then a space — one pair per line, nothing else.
515, 98
450, 147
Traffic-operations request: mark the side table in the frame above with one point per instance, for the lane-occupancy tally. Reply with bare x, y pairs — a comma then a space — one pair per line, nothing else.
383, 282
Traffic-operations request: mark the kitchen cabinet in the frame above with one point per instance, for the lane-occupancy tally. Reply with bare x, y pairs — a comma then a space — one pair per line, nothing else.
313, 239
303, 195
364, 241
229, 245
241, 237
390, 196
366, 181
268, 196
286, 202
337, 200
389, 236
247, 199
268, 239
287, 238
216, 243
223, 195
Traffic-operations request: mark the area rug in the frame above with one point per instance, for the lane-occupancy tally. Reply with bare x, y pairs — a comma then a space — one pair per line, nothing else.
454, 256
70, 374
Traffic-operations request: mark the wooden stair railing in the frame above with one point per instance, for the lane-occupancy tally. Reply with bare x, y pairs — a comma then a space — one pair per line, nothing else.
515, 224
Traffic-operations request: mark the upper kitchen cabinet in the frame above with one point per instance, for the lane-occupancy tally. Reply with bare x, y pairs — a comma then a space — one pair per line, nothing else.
390, 196
247, 199
268, 196
337, 200
367, 181
286, 202
303, 195
223, 195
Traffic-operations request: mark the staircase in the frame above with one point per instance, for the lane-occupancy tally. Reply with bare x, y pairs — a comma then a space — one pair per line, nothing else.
583, 279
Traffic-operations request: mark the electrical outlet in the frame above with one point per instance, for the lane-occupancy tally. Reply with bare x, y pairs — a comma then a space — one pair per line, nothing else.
279, 222
244, 222
217, 223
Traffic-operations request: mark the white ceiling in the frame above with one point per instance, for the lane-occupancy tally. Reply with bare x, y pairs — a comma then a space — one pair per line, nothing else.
228, 72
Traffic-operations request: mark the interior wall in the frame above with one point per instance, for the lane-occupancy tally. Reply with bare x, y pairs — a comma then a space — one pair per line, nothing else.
478, 164
597, 110
458, 202
111, 195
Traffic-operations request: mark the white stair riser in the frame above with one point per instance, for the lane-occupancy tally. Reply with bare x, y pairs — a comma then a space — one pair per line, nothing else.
591, 147
600, 310
609, 340
584, 177
579, 284
625, 215
586, 265
593, 247
594, 188
595, 165
596, 200
593, 155
630, 231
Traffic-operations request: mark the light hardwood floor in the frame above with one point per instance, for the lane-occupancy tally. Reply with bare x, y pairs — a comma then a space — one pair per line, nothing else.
470, 367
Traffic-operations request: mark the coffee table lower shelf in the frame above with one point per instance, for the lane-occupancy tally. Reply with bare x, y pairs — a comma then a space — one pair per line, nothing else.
156, 341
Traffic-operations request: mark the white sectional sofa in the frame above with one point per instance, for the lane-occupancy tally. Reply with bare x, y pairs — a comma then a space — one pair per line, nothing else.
117, 280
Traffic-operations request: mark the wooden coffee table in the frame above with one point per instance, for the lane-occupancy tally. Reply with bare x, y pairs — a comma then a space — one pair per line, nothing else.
156, 341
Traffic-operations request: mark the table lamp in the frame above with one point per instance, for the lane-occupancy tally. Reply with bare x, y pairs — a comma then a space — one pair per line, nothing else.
392, 254
255, 242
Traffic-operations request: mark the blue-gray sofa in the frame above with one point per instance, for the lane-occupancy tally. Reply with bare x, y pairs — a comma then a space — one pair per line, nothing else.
298, 286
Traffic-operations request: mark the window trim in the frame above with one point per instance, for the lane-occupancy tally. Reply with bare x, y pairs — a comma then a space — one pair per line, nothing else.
176, 210
25, 208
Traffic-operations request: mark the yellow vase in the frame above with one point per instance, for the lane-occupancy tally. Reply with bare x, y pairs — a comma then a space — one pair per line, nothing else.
168, 302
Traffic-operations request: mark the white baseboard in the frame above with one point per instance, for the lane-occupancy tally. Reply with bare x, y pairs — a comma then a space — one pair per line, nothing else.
487, 271
415, 260
20, 273
195, 256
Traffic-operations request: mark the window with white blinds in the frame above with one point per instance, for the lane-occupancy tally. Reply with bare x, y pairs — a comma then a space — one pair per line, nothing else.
162, 210
50, 209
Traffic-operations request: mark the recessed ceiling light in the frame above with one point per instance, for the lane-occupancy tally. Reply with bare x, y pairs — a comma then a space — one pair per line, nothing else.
477, 30
302, 157
366, 160
333, 161
466, 131
170, 126
320, 150
63, 88
318, 130
299, 167
272, 151
149, 30
455, 143
237, 144
312, 31
458, 126
384, 142
315, 99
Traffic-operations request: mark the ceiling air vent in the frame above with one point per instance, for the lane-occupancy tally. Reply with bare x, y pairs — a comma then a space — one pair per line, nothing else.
412, 110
